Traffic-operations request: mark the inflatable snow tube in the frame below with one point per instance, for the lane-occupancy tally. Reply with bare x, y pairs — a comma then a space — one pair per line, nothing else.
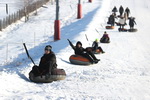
110, 27
98, 51
104, 40
132, 30
122, 30
57, 74
79, 60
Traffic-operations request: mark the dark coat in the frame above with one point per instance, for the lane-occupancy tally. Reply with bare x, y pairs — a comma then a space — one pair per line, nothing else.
47, 63
95, 45
131, 22
114, 10
111, 20
127, 11
79, 51
121, 10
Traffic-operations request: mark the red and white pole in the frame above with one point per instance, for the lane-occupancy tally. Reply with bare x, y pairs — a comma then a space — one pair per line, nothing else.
57, 23
79, 13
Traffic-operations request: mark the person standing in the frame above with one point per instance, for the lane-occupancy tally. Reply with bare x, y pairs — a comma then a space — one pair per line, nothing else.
114, 10
127, 10
132, 22
121, 10
122, 22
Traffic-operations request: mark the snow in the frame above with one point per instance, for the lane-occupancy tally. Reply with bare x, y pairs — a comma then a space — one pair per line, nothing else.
122, 74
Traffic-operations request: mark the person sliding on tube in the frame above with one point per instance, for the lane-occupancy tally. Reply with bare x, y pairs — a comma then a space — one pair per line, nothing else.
47, 63
79, 50
105, 38
111, 20
95, 46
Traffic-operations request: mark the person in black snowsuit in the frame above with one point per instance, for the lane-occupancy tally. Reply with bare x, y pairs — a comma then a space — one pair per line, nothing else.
114, 10
111, 20
132, 22
95, 46
79, 50
127, 10
47, 63
121, 10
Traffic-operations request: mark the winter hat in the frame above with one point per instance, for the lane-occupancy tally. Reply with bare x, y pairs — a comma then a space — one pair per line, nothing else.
48, 47
78, 43
96, 40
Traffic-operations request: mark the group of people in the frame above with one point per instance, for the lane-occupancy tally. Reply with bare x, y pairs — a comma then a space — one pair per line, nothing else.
123, 16
48, 60
89, 54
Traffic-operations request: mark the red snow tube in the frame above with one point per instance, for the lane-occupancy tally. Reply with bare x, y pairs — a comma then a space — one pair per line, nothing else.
132, 30
57, 74
98, 51
110, 27
79, 60
122, 30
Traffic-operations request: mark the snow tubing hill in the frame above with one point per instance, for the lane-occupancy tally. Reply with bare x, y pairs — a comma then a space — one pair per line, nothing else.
132, 30
110, 27
57, 74
79, 60
98, 51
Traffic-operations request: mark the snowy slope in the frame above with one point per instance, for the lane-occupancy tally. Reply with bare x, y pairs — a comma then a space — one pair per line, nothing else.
13, 6
122, 73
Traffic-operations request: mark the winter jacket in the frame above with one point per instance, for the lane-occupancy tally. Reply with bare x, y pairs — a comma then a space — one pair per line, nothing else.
105, 36
121, 10
131, 22
114, 10
78, 51
111, 20
122, 21
47, 63
95, 45
127, 10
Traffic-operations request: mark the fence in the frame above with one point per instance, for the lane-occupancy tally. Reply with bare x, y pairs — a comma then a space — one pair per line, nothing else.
24, 12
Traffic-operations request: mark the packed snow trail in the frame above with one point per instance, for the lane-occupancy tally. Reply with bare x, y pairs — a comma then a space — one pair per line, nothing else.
122, 73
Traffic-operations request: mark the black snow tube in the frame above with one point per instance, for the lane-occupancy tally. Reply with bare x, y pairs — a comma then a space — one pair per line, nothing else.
57, 74
79, 60
132, 30
104, 40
